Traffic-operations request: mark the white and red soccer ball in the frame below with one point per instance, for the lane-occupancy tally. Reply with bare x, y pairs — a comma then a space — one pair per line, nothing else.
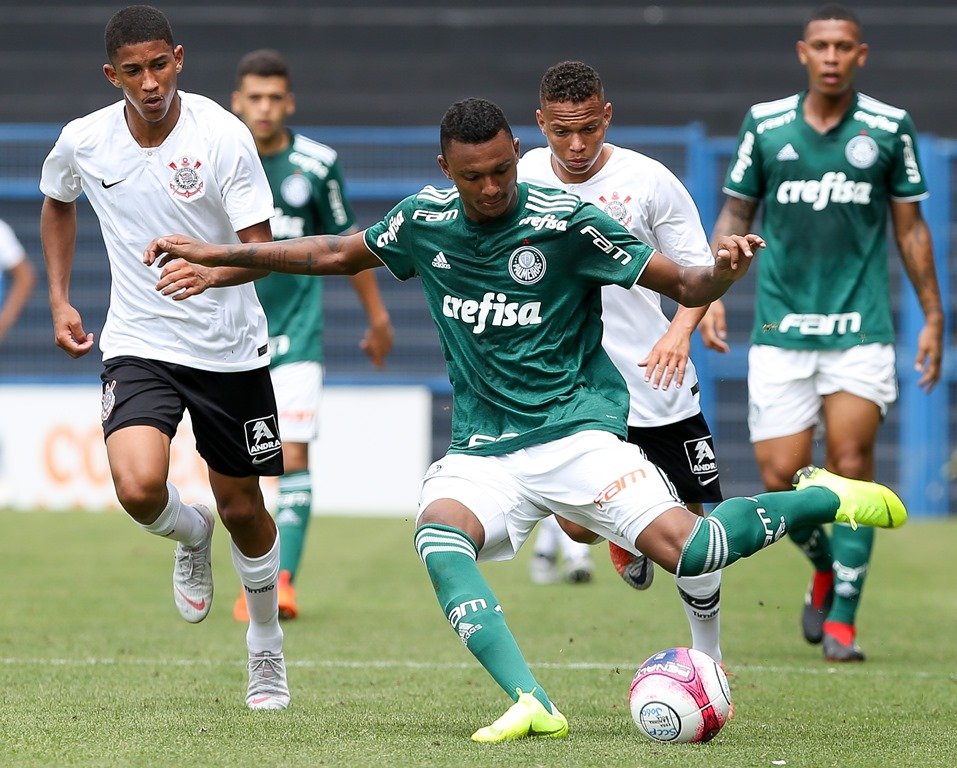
680, 696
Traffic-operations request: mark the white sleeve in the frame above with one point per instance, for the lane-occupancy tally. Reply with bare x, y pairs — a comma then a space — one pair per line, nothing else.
59, 179
677, 224
11, 251
247, 197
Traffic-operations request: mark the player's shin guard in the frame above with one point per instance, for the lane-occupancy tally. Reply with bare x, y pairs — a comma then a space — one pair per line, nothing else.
852, 553
701, 598
741, 526
473, 610
293, 513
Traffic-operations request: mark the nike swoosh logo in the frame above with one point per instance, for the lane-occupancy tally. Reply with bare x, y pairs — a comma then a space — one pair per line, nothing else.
708, 481
198, 605
261, 459
260, 699
112, 184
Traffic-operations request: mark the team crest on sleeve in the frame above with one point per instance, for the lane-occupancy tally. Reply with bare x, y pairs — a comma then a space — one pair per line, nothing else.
295, 190
186, 181
526, 265
617, 208
861, 151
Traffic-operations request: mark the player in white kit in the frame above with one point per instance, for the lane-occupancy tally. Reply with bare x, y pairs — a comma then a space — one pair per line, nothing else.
161, 159
651, 352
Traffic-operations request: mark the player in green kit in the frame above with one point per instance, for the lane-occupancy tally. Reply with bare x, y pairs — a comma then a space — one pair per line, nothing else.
308, 192
827, 165
512, 274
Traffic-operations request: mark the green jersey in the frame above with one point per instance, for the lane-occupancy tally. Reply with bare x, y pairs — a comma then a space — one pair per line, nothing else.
309, 199
823, 280
517, 304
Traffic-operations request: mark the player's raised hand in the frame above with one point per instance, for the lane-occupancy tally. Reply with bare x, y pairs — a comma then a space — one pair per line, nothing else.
734, 254
177, 246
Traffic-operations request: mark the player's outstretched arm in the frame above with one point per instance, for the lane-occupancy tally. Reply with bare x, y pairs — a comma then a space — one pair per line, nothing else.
316, 255
697, 286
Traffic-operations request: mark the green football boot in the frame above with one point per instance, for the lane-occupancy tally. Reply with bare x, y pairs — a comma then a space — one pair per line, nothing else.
862, 502
526, 717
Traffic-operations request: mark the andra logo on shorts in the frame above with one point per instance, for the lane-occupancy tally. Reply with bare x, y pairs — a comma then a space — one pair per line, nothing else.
262, 438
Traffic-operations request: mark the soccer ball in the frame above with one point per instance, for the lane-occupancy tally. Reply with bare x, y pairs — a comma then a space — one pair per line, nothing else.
680, 696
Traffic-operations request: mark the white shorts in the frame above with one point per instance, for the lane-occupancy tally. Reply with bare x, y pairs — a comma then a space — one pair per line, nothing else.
298, 389
591, 478
785, 386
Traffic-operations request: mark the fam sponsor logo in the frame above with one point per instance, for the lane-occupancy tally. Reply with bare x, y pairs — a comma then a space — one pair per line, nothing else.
876, 121
743, 160
910, 159
285, 227
810, 324
527, 265
391, 234
776, 122
548, 221
420, 214
606, 246
832, 187
494, 309
186, 181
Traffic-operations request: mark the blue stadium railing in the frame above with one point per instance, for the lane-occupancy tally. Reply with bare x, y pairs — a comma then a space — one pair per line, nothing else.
382, 165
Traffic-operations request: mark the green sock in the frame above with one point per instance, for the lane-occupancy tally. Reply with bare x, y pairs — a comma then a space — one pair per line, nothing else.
473, 610
852, 552
292, 518
740, 527
814, 543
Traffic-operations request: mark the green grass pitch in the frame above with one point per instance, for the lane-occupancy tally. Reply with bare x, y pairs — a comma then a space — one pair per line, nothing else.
97, 669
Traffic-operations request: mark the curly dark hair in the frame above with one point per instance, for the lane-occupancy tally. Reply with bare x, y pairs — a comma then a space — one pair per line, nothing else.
572, 81
472, 121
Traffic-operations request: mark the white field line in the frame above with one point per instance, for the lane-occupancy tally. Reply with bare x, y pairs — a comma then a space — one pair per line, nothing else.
758, 669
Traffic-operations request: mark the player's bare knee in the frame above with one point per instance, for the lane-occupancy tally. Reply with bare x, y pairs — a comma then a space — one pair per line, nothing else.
856, 464
577, 532
453, 514
141, 499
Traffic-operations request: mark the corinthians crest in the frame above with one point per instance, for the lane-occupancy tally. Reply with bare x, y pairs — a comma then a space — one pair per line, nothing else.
617, 208
186, 181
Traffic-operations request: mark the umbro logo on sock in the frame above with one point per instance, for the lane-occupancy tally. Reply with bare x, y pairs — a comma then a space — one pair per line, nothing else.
440, 262
787, 153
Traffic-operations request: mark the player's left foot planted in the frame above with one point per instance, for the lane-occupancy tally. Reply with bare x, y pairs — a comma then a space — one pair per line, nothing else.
193, 574
268, 688
527, 717
862, 502
839, 643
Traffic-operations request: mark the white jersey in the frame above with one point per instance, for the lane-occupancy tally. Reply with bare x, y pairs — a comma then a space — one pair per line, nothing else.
647, 199
206, 181
11, 251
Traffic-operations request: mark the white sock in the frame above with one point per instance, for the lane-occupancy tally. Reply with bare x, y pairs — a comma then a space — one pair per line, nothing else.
701, 598
178, 521
259, 576
546, 543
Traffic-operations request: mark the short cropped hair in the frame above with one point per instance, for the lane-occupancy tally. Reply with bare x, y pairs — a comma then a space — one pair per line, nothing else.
834, 11
572, 81
472, 121
136, 24
264, 62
